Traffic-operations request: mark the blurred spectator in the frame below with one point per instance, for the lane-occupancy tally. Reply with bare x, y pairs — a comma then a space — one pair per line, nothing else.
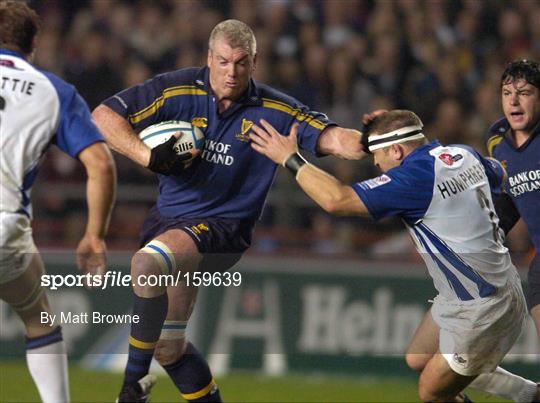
91, 72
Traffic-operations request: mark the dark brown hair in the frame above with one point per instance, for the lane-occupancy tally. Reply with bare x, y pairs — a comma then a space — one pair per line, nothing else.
19, 25
527, 70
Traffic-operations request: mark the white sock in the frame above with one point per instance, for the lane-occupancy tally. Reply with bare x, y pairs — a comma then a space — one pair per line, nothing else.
505, 384
48, 367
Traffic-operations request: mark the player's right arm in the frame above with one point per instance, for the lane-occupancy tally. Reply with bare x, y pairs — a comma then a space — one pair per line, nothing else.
136, 108
327, 191
406, 193
120, 135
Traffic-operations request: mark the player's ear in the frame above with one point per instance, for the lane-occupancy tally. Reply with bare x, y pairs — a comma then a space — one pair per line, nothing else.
254, 64
398, 153
209, 57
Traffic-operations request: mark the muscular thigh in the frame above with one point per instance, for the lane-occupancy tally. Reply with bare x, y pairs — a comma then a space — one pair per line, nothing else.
186, 254
424, 343
17, 290
17, 247
219, 241
26, 296
438, 382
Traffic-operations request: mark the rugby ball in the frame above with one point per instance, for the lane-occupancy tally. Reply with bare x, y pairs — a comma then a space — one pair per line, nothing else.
191, 140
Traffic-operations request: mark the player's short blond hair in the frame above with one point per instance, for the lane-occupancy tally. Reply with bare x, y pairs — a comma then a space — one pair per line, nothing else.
237, 34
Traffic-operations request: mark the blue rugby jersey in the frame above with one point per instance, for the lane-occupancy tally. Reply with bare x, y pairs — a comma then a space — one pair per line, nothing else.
523, 168
36, 109
443, 194
230, 180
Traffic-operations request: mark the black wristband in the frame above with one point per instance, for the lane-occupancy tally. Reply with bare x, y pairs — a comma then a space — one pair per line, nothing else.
294, 163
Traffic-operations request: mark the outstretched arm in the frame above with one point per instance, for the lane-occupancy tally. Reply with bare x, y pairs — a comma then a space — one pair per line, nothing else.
340, 142
345, 143
100, 194
328, 192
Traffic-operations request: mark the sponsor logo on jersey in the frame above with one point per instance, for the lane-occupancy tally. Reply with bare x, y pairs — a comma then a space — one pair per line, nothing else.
446, 158
524, 182
449, 159
8, 63
199, 122
244, 130
375, 182
217, 152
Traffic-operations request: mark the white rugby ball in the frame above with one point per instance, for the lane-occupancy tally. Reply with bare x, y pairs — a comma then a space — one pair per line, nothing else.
191, 140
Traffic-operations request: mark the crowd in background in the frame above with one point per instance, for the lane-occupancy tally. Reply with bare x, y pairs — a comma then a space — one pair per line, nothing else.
441, 58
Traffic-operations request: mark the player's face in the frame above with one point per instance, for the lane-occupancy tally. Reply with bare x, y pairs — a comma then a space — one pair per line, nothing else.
521, 105
230, 69
384, 159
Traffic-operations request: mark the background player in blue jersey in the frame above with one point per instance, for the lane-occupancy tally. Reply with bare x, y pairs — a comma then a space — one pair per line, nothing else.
205, 213
38, 109
515, 141
443, 195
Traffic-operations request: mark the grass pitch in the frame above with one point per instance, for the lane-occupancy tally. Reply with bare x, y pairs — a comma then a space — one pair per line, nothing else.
89, 386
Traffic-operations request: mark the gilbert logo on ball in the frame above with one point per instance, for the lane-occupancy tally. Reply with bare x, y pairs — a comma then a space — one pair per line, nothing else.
191, 140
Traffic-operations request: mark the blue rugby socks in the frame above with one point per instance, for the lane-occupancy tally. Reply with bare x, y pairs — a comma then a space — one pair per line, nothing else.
191, 375
144, 335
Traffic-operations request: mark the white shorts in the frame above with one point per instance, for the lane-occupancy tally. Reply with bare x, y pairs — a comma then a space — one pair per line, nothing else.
476, 335
17, 247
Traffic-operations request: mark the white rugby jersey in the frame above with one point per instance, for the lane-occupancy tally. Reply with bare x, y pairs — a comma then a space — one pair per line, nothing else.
36, 109
444, 196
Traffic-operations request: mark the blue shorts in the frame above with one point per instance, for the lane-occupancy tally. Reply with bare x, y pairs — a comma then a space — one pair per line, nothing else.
221, 241
533, 283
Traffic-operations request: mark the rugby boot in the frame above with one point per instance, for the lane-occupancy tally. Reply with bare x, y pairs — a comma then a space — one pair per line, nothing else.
137, 392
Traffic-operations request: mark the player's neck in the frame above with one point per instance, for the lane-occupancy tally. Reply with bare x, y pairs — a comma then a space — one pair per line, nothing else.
520, 137
223, 104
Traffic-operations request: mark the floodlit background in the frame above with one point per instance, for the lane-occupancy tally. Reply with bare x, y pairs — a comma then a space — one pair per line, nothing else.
332, 301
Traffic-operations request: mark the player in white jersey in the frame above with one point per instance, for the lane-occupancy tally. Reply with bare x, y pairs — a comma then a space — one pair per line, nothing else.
38, 109
443, 194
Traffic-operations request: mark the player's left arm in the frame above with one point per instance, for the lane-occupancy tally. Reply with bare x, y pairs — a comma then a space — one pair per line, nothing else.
345, 143
328, 192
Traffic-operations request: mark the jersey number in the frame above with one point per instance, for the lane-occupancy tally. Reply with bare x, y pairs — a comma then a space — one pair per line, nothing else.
485, 204
2, 105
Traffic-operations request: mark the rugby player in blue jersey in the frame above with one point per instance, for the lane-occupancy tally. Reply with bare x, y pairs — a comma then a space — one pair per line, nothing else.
205, 213
38, 109
515, 141
443, 194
